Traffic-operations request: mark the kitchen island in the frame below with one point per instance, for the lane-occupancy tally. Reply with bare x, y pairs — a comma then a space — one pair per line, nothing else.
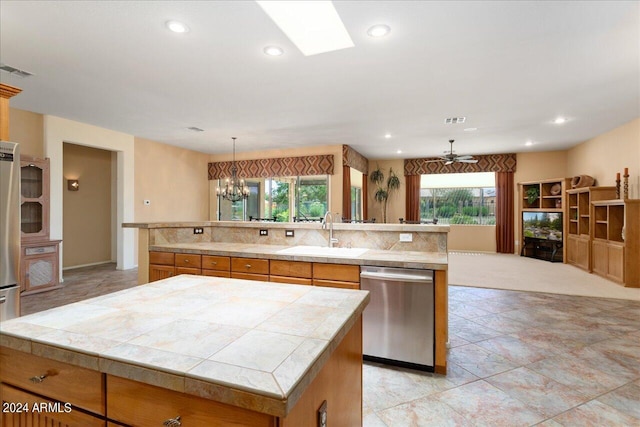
212, 351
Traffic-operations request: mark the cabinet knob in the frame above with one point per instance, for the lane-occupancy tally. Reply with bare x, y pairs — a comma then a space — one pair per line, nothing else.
172, 422
248, 265
186, 260
214, 263
38, 378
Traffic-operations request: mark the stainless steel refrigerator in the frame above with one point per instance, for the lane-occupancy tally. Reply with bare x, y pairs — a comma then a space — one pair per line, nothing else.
9, 229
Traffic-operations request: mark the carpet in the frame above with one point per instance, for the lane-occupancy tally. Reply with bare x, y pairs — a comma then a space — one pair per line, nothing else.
513, 272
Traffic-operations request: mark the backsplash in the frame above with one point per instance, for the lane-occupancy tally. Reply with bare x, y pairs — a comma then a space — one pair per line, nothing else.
370, 236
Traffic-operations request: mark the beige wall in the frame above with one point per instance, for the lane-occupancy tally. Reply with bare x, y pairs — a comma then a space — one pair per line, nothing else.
26, 128
86, 212
475, 238
603, 156
396, 204
173, 179
335, 180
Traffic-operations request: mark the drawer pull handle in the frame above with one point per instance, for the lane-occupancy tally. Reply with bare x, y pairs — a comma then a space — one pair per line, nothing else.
248, 265
186, 260
172, 422
38, 378
214, 263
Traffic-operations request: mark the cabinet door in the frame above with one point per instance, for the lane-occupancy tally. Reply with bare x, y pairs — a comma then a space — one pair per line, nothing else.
34, 204
39, 268
583, 252
616, 263
54, 413
159, 272
143, 405
250, 265
572, 250
600, 258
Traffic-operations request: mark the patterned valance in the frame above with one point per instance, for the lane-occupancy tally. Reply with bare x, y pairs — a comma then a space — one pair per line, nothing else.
284, 166
486, 163
355, 160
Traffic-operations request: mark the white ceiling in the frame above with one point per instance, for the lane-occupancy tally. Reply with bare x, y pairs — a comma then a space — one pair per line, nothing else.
509, 67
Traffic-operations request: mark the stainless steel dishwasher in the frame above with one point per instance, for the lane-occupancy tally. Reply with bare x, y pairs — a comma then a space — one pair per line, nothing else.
398, 323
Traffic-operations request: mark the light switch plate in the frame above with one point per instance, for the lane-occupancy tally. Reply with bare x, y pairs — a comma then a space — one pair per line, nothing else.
406, 237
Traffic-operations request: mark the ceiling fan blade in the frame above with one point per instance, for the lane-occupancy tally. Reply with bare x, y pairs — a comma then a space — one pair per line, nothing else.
464, 157
468, 160
434, 160
448, 162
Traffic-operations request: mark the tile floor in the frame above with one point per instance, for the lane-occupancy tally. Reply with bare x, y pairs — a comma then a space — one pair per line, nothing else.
516, 359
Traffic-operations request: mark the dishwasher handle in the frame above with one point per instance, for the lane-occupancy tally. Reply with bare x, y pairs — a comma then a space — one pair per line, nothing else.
395, 277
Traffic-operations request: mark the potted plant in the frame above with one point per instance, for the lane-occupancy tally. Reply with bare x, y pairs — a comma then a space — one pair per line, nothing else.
384, 191
532, 195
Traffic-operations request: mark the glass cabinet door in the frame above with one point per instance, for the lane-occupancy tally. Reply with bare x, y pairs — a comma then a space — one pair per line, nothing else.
34, 209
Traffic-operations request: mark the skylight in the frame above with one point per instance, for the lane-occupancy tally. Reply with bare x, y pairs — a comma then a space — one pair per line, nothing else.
313, 26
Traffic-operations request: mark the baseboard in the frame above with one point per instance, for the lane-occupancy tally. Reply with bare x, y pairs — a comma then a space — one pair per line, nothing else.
87, 265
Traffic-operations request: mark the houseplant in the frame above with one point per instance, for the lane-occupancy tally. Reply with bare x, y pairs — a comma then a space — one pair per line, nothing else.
384, 188
532, 195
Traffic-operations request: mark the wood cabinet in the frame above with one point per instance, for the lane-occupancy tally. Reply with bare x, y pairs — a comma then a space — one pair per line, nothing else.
615, 246
551, 200
250, 269
188, 264
57, 381
218, 266
161, 265
34, 204
296, 272
39, 266
40, 258
580, 232
54, 413
336, 275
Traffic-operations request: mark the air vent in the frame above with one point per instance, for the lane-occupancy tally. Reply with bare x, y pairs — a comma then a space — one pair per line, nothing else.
454, 120
15, 71
195, 129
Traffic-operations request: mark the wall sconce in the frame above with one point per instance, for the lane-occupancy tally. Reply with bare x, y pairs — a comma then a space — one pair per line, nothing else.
73, 185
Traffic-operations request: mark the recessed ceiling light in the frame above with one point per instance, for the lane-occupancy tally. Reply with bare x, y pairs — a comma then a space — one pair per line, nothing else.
528, 143
379, 30
177, 27
313, 26
399, 151
273, 51
470, 129
560, 120
387, 135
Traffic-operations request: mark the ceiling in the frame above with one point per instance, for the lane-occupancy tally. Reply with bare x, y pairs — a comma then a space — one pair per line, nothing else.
510, 68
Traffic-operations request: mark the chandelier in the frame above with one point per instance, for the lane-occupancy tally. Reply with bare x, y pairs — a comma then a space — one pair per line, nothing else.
234, 188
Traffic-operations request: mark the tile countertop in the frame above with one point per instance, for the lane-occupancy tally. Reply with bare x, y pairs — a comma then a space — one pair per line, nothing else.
256, 345
376, 257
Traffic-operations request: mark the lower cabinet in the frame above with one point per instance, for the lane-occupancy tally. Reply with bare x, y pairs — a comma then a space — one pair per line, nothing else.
250, 269
22, 409
295, 272
39, 266
608, 260
161, 265
336, 275
579, 251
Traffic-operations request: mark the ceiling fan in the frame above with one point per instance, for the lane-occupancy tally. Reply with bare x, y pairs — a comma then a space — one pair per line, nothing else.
453, 158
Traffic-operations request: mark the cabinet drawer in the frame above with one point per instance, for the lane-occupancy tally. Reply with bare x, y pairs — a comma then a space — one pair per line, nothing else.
290, 268
336, 284
222, 263
138, 404
161, 258
188, 260
159, 272
292, 280
340, 272
45, 418
67, 383
250, 265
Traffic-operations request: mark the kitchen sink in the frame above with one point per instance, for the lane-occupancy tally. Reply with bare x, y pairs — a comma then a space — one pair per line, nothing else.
323, 251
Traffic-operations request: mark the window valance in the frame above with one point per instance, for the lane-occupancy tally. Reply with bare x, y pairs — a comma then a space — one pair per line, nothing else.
486, 163
355, 160
283, 166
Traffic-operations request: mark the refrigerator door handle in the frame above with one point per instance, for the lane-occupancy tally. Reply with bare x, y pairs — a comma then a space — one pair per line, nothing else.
3, 299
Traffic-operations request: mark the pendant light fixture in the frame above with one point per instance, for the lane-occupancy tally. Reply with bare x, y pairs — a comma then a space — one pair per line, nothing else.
234, 188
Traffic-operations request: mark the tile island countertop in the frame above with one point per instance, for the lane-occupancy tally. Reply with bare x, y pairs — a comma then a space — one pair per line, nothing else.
256, 345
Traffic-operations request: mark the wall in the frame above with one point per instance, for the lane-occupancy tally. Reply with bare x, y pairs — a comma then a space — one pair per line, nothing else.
86, 212
474, 238
26, 128
173, 179
396, 202
603, 156
335, 180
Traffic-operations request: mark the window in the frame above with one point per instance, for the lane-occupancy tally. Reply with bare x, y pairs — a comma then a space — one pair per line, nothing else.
285, 198
462, 198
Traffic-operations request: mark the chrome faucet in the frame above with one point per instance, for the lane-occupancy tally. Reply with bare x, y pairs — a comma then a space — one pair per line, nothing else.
332, 241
